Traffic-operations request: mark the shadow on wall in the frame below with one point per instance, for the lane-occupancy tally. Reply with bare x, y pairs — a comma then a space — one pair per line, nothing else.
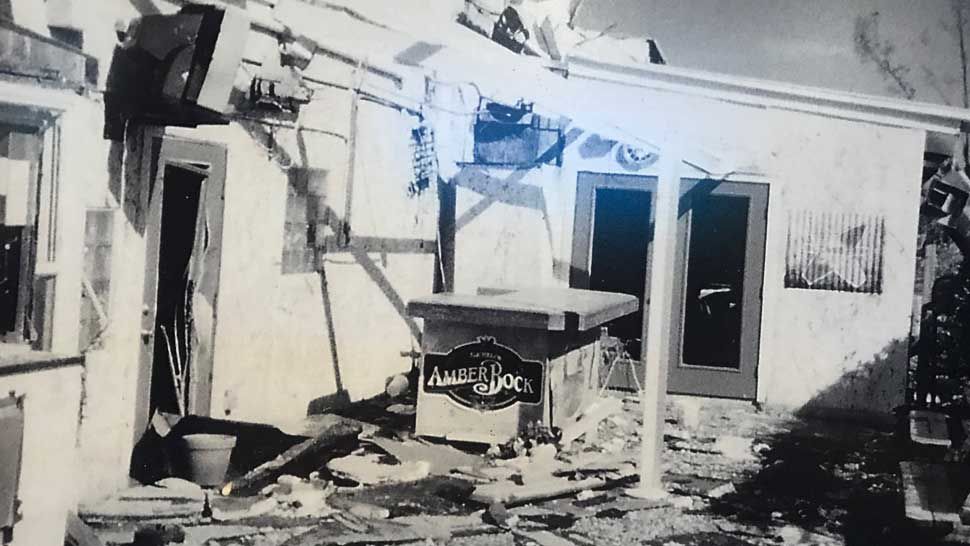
871, 391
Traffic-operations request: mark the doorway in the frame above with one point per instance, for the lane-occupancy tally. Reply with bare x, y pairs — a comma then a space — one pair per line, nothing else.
718, 273
718, 278
183, 244
172, 344
621, 239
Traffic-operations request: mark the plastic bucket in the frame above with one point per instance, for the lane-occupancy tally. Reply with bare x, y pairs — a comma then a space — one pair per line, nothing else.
207, 457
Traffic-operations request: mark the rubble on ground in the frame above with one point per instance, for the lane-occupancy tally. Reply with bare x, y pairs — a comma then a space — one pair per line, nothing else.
730, 482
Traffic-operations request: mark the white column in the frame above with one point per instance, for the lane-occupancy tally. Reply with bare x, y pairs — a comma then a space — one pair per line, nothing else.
657, 318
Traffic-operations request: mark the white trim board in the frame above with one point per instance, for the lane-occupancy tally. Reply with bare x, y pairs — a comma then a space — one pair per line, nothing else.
769, 94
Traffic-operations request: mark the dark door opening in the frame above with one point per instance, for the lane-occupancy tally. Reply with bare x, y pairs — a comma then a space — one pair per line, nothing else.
715, 282
717, 277
621, 237
718, 280
172, 342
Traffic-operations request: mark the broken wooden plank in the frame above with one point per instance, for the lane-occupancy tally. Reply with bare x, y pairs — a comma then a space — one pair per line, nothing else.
934, 492
79, 533
202, 534
443, 527
146, 502
595, 462
510, 493
542, 538
589, 418
339, 431
928, 428
399, 530
441, 459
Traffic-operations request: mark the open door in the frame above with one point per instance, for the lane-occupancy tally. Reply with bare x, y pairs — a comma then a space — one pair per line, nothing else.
718, 273
183, 248
718, 277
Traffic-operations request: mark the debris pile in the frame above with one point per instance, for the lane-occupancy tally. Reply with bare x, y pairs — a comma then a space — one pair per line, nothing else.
552, 487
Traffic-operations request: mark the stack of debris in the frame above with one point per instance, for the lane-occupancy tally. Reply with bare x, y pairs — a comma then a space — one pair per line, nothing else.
350, 482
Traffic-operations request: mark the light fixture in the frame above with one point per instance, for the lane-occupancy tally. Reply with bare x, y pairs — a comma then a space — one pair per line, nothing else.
633, 158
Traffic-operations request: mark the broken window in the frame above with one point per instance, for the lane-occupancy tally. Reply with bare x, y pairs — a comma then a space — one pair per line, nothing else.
306, 219
27, 233
835, 251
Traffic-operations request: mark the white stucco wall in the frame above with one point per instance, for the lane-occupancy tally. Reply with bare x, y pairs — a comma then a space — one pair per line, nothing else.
275, 342
819, 349
49, 467
825, 349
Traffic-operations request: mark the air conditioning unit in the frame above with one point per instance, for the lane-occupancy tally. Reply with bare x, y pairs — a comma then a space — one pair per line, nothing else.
176, 69
515, 136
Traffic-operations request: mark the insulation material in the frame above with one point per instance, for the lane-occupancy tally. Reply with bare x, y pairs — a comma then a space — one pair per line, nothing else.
835, 251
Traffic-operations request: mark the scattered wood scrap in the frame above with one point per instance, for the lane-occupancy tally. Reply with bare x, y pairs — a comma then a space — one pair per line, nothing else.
337, 431
510, 493
928, 428
543, 538
934, 492
442, 459
595, 462
146, 503
399, 530
453, 525
79, 533
202, 534
589, 418
368, 469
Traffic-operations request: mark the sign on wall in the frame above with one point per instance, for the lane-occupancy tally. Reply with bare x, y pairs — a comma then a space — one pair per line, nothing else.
483, 375
835, 251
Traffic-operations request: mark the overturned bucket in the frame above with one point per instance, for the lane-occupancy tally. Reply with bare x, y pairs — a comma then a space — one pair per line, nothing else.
207, 457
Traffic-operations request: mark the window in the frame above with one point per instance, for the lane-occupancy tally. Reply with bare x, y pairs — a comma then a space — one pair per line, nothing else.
27, 225
835, 251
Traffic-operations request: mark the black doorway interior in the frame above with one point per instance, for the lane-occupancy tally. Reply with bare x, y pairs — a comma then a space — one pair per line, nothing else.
621, 237
180, 207
715, 281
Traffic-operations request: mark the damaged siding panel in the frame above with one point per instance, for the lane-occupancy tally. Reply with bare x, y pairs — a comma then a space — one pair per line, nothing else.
835, 251
96, 282
306, 219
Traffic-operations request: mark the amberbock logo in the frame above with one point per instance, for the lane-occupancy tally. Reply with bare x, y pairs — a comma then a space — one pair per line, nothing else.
483, 375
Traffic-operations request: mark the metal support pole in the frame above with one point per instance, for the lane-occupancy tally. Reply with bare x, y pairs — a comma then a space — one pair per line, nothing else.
656, 325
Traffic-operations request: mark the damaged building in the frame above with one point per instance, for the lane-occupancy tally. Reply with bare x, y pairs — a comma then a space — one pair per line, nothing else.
224, 209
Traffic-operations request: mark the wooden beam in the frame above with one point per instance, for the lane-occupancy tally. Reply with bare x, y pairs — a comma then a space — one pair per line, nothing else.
657, 319
340, 430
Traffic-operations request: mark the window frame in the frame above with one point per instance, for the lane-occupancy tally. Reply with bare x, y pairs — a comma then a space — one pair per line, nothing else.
36, 283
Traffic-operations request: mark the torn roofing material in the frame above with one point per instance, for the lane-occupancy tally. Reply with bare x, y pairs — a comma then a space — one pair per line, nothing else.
455, 55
